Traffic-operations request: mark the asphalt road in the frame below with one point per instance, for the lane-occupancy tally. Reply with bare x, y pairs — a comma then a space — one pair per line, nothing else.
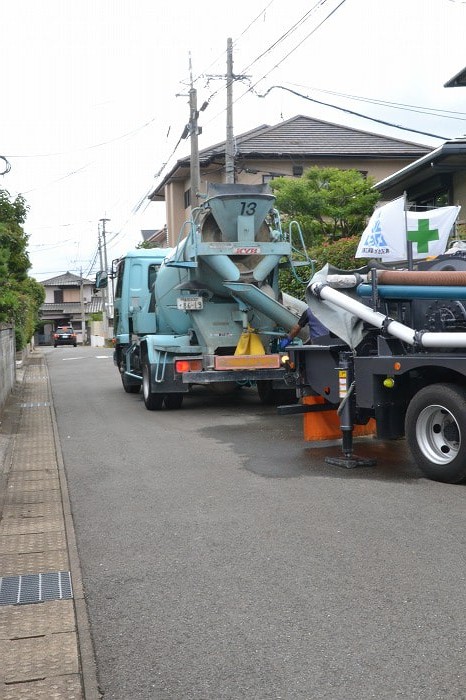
223, 559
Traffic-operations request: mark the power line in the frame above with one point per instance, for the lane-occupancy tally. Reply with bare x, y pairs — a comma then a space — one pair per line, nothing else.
286, 34
212, 95
59, 179
443, 113
88, 148
235, 41
7, 166
49, 246
357, 114
295, 48
275, 44
251, 88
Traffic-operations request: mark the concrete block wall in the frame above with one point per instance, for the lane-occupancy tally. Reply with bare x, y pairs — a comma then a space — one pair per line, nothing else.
7, 362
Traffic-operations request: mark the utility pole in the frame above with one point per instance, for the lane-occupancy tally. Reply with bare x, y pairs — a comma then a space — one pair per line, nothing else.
229, 144
103, 266
194, 132
83, 313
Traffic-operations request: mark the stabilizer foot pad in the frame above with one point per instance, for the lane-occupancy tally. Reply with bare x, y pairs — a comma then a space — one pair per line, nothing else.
351, 462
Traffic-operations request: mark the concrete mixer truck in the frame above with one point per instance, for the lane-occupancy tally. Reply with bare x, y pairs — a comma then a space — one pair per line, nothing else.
210, 310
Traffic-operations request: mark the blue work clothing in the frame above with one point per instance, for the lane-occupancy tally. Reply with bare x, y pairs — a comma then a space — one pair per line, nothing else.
316, 328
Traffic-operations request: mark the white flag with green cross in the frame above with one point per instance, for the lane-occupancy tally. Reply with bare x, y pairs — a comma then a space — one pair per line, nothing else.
391, 226
429, 230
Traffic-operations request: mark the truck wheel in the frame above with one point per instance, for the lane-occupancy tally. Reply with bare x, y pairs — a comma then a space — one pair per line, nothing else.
435, 428
173, 401
153, 402
128, 386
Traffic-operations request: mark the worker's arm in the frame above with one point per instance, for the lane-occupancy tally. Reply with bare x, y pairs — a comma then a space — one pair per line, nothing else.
291, 335
294, 332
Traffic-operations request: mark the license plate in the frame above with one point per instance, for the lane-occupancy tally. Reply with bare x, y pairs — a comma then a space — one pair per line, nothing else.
189, 303
246, 250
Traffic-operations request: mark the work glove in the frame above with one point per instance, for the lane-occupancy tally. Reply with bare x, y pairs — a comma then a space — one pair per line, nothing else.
284, 342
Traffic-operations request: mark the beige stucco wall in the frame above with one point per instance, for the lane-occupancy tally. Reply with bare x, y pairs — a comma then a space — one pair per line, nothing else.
69, 295
378, 169
174, 191
176, 216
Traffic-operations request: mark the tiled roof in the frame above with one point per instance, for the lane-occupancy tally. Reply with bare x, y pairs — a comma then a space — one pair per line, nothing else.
73, 307
303, 137
312, 137
68, 279
94, 306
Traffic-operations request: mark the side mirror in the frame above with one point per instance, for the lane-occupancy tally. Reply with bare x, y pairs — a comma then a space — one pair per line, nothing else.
101, 280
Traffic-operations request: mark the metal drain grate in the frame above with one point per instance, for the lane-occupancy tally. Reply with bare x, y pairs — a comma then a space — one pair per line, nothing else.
35, 404
35, 588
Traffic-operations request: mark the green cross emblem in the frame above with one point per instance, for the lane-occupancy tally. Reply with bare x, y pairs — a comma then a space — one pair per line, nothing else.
423, 235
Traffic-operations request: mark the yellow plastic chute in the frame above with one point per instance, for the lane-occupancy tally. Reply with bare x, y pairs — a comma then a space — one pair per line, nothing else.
249, 343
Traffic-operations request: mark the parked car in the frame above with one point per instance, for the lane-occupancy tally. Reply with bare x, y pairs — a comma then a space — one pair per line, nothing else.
64, 335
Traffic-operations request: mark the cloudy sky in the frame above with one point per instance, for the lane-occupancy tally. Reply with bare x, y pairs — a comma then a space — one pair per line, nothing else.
94, 95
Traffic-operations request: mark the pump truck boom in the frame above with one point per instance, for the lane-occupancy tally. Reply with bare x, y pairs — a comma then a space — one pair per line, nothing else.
396, 353
209, 311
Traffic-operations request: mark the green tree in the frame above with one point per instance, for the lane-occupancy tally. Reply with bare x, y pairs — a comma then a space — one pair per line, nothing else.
328, 203
340, 254
148, 245
20, 295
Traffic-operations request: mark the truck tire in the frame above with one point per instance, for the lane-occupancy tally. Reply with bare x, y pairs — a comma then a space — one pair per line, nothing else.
153, 402
173, 401
129, 386
435, 428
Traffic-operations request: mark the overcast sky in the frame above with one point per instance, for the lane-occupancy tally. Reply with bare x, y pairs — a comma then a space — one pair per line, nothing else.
94, 95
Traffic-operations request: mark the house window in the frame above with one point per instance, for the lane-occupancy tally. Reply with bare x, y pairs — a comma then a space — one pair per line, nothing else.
297, 170
266, 179
71, 295
187, 198
440, 199
58, 296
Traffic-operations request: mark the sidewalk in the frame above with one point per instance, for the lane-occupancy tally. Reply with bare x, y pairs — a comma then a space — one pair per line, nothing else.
45, 643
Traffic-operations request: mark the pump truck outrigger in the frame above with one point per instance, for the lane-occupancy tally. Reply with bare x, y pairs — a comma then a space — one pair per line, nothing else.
396, 353
210, 311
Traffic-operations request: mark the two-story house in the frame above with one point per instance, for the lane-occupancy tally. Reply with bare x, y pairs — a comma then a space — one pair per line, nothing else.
285, 149
69, 300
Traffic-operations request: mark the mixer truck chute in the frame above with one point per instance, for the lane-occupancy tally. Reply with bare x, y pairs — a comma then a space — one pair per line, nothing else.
397, 354
210, 310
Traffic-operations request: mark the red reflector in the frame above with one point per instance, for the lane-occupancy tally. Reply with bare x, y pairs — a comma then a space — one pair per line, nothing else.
188, 366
